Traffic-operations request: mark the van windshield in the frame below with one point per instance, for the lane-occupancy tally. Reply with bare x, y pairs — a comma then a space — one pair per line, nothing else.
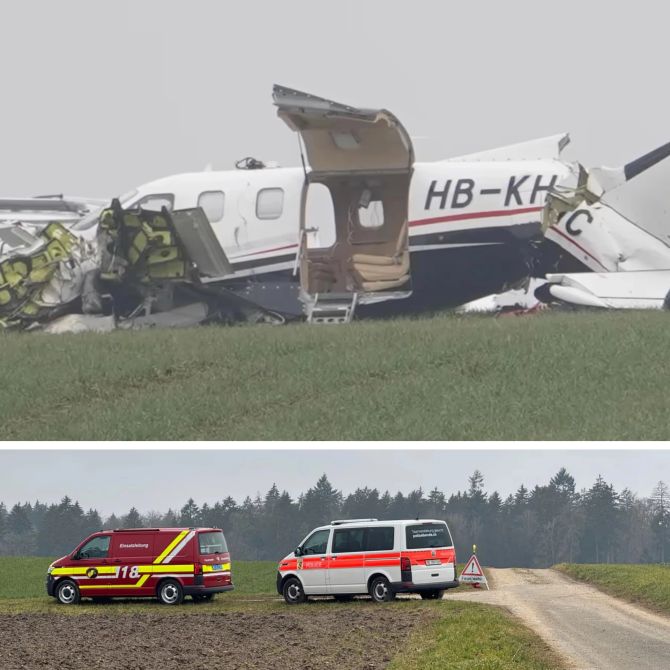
212, 543
428, 536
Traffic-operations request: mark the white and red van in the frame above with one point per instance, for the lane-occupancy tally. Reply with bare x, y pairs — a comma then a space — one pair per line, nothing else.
367, 556
163, 563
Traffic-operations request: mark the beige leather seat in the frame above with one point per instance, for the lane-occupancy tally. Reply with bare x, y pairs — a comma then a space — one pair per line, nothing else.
377, 272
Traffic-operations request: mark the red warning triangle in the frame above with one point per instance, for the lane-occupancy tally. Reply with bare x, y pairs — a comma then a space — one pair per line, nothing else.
472, 568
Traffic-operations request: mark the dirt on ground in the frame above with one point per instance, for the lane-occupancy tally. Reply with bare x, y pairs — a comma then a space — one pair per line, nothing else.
355, 637
589, 629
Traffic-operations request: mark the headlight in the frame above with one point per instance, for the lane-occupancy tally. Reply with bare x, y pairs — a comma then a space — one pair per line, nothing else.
50, 569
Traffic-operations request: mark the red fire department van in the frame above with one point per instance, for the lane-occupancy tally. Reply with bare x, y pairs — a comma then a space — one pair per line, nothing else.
163, 563
366, 556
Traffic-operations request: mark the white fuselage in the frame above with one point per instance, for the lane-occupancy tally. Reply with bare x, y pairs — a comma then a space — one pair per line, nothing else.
452, 205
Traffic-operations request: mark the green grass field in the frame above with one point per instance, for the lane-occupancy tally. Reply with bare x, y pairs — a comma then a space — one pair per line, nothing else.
559, 376
463, 636
647, 585
476, 637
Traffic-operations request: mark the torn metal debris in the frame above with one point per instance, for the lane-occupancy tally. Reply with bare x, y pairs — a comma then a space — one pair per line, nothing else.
40, 281
144, 269
42, 210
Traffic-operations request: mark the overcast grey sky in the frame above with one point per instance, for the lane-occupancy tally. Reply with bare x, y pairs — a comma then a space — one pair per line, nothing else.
114, 481
99, 97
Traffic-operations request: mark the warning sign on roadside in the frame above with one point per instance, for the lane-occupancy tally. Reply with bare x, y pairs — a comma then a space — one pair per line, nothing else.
472, 572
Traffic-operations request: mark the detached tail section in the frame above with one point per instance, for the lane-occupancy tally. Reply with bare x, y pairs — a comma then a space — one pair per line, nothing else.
604, 179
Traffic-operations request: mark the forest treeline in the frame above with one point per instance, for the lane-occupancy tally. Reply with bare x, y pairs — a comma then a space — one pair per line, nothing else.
536, 527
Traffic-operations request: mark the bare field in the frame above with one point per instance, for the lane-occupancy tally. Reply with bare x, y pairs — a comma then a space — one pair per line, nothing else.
362, 638
407, 635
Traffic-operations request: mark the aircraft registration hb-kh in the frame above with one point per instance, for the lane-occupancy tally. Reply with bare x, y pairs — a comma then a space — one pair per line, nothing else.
363, 227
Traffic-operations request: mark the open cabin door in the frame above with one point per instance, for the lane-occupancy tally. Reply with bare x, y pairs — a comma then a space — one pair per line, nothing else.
364, 158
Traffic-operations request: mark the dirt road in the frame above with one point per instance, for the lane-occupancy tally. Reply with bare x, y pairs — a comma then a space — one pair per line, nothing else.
591, 630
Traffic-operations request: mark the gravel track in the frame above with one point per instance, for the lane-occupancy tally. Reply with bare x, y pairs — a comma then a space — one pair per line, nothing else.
589, 629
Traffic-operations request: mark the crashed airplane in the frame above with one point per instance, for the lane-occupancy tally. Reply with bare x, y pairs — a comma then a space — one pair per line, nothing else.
361, 228
333, 237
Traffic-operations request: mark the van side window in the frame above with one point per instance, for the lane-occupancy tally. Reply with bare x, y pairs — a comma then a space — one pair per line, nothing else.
98, 547
316, 543
269, 203
380, 539
156, 202
348, 540
212, 202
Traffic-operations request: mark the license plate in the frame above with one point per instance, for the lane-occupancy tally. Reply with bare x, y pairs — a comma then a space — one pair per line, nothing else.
434, 561
218, 566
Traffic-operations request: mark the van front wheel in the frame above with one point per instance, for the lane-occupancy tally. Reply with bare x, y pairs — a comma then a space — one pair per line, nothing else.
380, 590
67, 593
293, 592
170, 592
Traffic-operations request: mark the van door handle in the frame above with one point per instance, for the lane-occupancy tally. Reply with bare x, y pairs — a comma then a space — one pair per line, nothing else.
333, 558
323, 558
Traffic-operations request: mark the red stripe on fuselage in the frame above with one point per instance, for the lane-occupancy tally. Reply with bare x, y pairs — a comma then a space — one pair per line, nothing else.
579, 246
419, 222
475, 215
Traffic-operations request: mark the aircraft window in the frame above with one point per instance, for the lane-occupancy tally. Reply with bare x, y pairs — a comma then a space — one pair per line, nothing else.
212, 203
269, 203
156, 202
372, 214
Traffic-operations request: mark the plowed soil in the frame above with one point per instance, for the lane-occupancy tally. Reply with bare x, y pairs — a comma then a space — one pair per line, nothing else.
355, 637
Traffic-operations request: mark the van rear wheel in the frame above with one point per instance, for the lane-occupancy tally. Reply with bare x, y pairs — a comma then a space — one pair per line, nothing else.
380, 590
431, 595
67, 593
293, 592
170, 592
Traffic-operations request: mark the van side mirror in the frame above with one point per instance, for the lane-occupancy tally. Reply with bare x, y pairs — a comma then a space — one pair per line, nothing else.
298, 551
